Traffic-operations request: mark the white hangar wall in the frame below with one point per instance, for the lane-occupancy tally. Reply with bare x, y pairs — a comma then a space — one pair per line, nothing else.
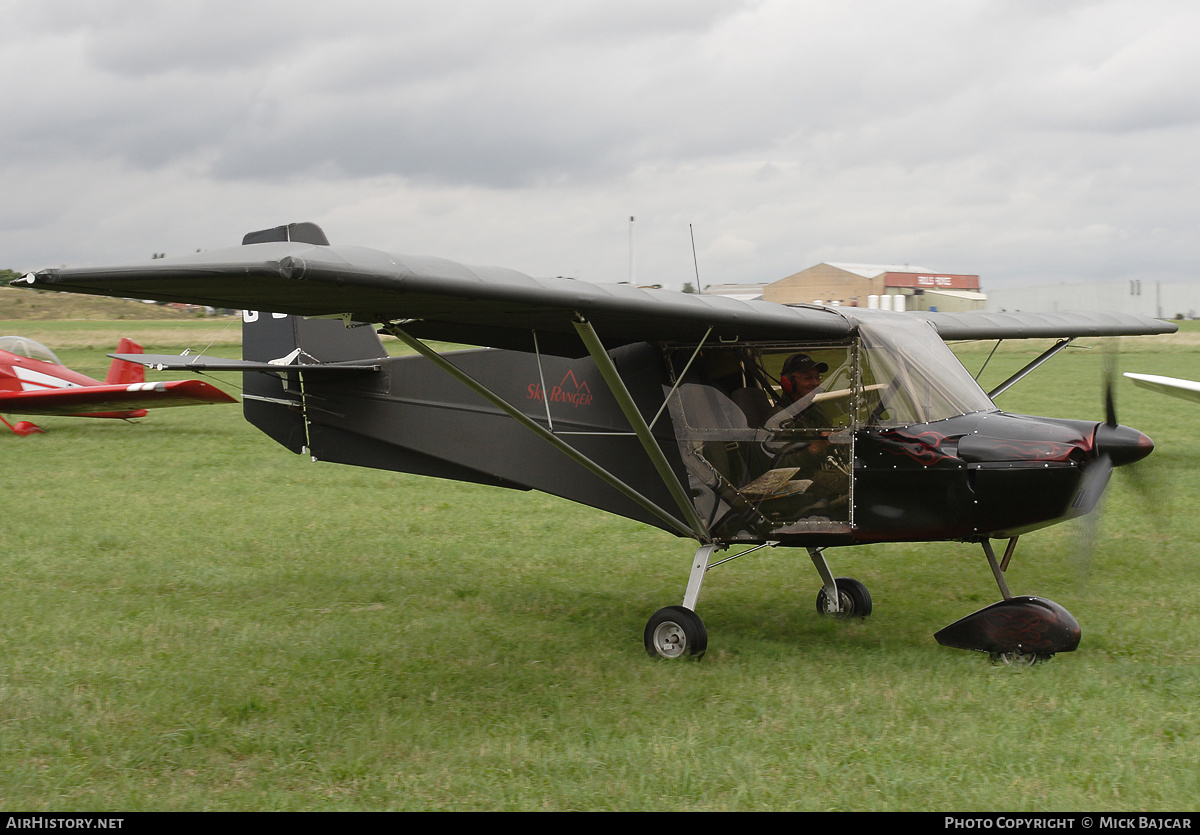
1150, 298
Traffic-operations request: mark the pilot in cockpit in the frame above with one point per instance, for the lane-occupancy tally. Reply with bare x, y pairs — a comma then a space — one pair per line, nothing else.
800, 382
767, 440
801, 448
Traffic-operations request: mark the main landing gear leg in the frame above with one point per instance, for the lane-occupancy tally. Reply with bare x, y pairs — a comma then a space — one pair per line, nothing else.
1017, 630
677, 631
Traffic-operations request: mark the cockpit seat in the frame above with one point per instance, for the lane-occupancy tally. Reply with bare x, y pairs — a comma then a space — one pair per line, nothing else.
755, 405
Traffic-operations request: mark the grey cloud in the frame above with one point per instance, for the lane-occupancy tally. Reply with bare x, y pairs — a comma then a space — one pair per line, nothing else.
500, 96
789, 130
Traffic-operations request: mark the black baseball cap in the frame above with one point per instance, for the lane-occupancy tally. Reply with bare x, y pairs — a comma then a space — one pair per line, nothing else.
802, 362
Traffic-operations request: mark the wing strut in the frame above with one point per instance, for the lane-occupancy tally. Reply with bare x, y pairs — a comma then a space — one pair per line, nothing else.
549, 437
617, 386
1041, 358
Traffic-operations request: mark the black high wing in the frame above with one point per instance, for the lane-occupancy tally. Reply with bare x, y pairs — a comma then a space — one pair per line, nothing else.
452, 302
499, 307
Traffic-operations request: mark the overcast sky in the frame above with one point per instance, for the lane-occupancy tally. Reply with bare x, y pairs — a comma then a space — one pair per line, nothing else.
1027, 141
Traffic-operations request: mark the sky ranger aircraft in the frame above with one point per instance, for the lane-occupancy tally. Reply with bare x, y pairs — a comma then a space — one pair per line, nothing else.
33, 381
738, 424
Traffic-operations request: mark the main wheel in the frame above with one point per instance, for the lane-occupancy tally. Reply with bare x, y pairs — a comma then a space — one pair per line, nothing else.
854, 598
675, 632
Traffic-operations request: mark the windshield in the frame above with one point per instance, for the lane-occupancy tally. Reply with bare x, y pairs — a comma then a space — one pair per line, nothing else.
24, 347
910, 376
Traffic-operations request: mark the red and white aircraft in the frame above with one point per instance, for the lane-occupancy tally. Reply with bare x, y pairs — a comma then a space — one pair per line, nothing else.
33, 381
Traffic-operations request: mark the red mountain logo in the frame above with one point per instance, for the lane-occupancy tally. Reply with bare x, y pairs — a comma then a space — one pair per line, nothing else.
569, 390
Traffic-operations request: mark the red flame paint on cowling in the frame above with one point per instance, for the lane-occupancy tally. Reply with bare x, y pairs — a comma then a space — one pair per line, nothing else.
927, 448
995, 449
923, 447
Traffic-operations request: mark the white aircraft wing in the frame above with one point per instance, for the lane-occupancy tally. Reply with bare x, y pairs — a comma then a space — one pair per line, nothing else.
1186, 389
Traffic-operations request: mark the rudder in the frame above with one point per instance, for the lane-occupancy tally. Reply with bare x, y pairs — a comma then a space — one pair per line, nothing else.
123, 371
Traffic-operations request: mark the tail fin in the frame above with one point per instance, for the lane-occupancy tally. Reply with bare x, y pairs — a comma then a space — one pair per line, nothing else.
123, 371
272, 402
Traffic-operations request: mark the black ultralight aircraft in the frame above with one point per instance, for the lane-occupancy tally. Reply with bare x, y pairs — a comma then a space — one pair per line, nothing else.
739, 424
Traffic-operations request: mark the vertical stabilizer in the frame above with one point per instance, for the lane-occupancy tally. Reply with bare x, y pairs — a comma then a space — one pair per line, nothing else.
273, 402
123, 371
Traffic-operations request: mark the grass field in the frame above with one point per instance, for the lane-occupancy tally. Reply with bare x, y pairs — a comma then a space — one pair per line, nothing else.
196, 619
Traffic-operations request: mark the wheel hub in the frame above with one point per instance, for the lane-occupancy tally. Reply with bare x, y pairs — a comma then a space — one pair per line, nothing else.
670, 640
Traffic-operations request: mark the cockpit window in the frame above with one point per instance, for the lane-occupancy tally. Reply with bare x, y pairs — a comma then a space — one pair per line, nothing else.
25, 347
764, 433
767, 431
771, 387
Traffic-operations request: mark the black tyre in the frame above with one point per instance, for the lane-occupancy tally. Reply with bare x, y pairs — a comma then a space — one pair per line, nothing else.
1019, 659
854, 597
675, 632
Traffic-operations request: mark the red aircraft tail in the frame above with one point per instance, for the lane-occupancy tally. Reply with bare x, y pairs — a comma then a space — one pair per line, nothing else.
123, 371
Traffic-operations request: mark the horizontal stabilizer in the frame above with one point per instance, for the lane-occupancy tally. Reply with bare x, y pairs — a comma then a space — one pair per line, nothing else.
186, 362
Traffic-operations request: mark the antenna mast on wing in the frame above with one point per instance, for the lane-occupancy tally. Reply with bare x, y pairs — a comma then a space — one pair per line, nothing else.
695, 262
631, 270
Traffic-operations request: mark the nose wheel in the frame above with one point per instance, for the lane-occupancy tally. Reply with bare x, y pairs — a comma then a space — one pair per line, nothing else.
1019, 659
1017, 631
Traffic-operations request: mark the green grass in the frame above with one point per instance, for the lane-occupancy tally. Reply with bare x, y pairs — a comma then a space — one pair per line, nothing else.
196, 619
46, 305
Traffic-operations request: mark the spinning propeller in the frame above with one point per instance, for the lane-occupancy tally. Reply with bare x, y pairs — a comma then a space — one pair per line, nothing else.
1113, 445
